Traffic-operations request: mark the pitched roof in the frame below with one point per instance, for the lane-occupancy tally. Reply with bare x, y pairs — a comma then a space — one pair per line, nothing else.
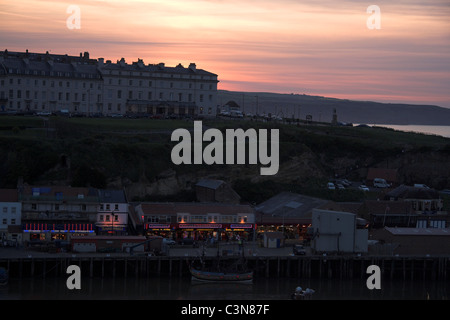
209, 183
111, 196
58, 193
288, 204
172, 208
419, 231
409, 192
387, 207
9, 195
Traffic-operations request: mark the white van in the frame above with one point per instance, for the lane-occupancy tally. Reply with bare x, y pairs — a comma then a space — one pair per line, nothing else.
380, 183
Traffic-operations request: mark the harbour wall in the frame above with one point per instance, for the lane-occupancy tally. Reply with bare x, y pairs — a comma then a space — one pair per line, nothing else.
331, 267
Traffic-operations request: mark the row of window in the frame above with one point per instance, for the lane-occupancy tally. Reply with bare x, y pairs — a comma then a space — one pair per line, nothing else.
107, 217
83, 207
54, 73
67, 84
5, 221
60, 95
197, 219
90, 85
66, 96
162, 84
57, 207
6, 209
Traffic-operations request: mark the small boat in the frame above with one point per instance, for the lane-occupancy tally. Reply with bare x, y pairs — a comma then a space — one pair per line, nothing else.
300, 294
241, 277
221, 270
3, 276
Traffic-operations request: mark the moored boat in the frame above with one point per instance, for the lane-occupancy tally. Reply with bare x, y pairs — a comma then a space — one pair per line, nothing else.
201, 275
221, 270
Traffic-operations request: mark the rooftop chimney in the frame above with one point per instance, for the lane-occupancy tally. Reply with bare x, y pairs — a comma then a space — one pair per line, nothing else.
192, 66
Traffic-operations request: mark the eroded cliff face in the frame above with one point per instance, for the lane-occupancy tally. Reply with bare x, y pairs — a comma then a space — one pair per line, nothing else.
431, 168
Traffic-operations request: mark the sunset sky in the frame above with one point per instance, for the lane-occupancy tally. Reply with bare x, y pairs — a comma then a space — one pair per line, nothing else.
317, 47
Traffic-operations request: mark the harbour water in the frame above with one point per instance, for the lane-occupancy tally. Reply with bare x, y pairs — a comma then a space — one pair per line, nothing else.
182, 288
428, 129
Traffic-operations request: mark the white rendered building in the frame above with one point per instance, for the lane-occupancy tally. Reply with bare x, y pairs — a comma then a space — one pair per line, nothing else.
50, 83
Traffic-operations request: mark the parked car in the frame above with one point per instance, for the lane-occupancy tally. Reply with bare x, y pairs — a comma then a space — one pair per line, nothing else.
331, 186
298, 249
168, 242
340, 186
380, 183
189, 241
363, 187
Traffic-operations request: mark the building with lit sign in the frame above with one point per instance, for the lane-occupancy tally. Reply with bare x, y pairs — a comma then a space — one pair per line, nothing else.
198, 221
112, 216
57, 212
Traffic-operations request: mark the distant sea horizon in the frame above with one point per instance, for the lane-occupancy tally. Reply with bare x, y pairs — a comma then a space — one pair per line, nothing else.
440, 130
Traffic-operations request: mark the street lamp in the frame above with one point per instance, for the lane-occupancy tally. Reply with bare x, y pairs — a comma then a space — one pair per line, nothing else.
112, 222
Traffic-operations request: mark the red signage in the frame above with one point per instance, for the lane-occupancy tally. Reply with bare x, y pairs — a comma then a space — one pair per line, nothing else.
241, 226
200, 225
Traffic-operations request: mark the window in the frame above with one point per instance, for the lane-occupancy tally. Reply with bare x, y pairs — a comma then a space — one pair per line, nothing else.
83, 207
101, 218
116, 218
33, 206
116, 207
101, 207
4, 221
13, 210
107, 217
56, 207
5, 209
13, 221
107, 206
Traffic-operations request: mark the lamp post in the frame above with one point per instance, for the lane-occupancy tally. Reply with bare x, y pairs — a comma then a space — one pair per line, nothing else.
112, 222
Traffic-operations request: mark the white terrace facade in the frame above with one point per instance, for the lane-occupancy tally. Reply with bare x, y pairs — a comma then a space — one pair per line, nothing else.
50, 83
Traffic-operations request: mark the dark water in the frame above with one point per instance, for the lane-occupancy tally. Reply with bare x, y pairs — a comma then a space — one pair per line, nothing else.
183, 289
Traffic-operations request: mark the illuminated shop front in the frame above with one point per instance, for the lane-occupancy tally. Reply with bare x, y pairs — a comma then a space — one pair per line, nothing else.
290, 231
216, 231
55, 231
187, 222
165, 230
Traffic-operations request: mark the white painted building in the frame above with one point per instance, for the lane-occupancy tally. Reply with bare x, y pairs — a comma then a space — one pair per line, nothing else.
10, 217
43, 83
113, 210
337, 232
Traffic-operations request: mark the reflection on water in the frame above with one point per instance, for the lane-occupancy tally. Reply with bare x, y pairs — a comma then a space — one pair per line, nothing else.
183, 289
